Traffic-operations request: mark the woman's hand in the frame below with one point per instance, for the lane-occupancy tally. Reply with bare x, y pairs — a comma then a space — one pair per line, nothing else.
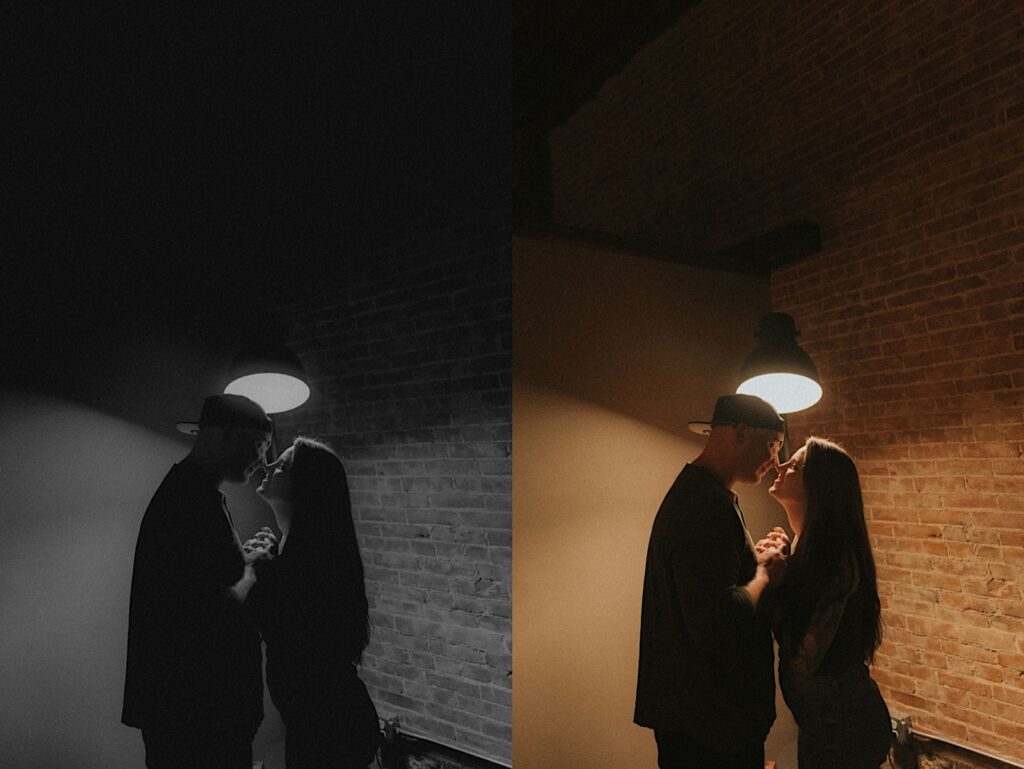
262, 546
772, 554
776, 539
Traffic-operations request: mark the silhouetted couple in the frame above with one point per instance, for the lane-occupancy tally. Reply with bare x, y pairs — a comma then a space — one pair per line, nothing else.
712, 598
200, 600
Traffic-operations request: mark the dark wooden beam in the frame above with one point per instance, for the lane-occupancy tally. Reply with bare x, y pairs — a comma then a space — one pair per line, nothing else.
784, 245
759, 255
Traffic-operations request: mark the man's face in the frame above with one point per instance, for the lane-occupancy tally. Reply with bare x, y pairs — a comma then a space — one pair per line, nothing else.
247, 453
760, 452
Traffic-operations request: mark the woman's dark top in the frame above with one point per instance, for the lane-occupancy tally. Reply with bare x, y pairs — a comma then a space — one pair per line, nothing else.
846, 648
306, 627
843, 720
830, 642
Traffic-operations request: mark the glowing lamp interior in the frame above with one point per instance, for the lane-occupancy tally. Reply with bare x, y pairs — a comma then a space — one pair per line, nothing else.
786, 392
274, 392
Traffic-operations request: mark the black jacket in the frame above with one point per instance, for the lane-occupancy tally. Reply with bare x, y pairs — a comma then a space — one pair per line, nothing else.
193, 651
706, 657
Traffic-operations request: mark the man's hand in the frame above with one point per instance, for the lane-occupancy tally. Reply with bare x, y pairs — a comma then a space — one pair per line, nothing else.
774, 563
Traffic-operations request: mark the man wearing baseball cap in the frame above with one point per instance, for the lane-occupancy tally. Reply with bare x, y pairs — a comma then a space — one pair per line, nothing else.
706, 682
194, 681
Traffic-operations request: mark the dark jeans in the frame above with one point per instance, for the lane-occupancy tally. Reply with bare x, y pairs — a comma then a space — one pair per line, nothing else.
843, 720
189, 747
680, 751
325, 734
320, 744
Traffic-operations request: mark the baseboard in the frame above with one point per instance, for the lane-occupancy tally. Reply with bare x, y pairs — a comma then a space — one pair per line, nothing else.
396, 752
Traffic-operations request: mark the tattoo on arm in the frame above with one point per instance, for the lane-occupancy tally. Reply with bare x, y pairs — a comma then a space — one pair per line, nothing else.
824, 623
815, 643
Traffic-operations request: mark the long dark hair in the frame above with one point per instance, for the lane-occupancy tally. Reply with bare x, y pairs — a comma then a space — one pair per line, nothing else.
324, 536
833, 554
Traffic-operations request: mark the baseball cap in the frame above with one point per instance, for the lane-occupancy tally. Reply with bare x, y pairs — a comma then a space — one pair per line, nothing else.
748, 409
229, 411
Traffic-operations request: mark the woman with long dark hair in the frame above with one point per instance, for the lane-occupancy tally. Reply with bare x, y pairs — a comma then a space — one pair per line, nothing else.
313, 614
827, 613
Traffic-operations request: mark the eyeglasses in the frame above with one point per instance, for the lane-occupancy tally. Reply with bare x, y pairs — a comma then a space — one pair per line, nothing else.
773, 443
261, 441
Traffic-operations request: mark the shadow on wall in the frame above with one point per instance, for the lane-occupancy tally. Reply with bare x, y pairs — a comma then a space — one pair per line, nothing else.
77, 483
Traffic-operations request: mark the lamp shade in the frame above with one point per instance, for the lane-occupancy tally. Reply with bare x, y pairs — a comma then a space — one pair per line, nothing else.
778, 369
272, 375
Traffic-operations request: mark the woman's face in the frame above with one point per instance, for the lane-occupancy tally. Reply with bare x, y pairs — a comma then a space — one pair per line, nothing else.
277, 485
789, 484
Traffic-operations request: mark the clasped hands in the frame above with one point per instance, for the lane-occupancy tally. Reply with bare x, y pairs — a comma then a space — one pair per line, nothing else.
261, 547
772, 553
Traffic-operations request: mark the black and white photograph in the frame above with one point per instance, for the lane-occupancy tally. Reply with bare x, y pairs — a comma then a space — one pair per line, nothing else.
256, 396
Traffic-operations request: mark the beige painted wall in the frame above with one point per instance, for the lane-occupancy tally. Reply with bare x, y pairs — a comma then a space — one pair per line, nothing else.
613, 354
77, 481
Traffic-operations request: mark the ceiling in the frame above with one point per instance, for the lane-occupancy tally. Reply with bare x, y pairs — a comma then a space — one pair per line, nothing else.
563, 51
187, 167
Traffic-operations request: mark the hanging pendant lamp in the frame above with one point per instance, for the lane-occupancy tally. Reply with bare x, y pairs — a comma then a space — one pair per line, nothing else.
778, 369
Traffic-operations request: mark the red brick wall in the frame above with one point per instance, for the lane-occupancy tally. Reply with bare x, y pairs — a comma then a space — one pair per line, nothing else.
410, 362
922, 362
899, 128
